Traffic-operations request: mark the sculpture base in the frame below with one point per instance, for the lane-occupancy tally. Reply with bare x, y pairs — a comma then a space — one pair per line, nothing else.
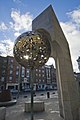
38, 106
8, 103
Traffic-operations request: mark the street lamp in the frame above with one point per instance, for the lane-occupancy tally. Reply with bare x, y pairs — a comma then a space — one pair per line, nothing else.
31, 50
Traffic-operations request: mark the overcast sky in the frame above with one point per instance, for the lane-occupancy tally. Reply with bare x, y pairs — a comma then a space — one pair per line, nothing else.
16, 17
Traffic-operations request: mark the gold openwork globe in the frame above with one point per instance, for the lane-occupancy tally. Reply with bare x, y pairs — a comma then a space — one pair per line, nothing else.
32, 49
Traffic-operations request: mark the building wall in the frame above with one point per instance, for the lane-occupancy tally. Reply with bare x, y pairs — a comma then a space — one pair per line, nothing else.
3, 72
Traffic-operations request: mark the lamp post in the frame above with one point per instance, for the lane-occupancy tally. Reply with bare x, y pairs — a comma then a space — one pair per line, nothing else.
32, 50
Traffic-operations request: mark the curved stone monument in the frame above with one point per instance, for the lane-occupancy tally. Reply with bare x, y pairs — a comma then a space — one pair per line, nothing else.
48, 24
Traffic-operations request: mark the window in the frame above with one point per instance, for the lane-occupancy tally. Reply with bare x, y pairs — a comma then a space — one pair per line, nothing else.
36, 80
43, 80
27, 76
11, 65
17, 72
39, 70
23, 72
11, 71
43, 75
22, 75
2, 79
3, 71
10, 78
10, 87
39, 80
42, 86
42, 71
17, 67
48, 73
39, 75
11, 60
36, 74
27, 71
16, 79
42, 67
3, 66
23, 69
39, 86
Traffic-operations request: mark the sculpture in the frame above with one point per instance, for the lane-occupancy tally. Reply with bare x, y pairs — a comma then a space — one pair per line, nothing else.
32, 49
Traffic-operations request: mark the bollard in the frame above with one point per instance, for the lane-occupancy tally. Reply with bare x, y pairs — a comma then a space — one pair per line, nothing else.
48, 95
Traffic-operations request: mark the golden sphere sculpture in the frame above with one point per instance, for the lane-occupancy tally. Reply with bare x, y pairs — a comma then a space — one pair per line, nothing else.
32, 49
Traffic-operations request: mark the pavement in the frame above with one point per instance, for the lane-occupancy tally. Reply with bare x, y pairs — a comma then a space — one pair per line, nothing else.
16, 112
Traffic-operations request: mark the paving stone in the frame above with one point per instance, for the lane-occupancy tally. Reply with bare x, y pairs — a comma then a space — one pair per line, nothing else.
17, 112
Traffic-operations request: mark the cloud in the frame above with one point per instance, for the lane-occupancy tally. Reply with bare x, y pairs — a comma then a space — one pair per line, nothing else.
18, 1
16, 34
51, 61
6, 47
75, 16
71, 30
20, 22
3, 26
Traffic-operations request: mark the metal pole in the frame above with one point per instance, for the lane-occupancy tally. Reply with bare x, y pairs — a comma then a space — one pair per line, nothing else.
18, 82
32, 94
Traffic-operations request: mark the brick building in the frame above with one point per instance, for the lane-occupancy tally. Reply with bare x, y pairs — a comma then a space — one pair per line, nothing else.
9, 73
15, 77
3, 72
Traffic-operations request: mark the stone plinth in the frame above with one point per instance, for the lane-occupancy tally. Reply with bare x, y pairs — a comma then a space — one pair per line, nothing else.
38, 106
2, 113
8, 103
